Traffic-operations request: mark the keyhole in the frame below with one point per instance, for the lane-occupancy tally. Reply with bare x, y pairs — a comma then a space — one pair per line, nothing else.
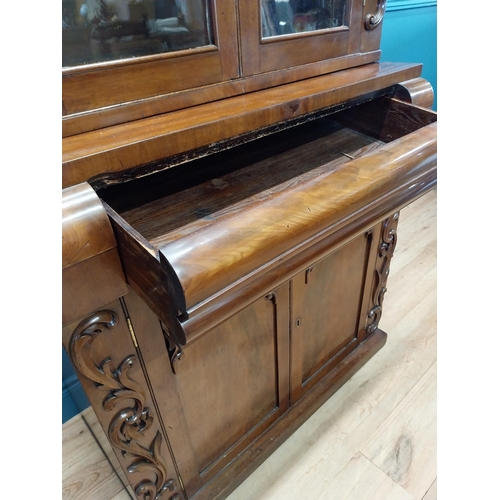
308, 272
297, 322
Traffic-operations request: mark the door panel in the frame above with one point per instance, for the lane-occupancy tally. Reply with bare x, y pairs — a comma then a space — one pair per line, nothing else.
228, 384
326, 301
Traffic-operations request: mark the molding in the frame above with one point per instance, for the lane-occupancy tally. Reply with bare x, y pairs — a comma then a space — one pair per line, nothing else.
71, 384
74, 398
393, 5
373, 20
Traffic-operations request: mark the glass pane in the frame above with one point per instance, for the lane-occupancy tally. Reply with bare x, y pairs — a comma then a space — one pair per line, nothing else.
282, 17
105, 30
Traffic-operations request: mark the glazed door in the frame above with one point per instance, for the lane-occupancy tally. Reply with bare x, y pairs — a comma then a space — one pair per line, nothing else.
281, 34
117, 52
326, 303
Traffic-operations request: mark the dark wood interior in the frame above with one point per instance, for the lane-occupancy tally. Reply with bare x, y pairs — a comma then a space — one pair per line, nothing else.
167, 205
183, 200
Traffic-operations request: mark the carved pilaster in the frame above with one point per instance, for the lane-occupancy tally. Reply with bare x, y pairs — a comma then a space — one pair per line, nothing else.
387, 245
125, 400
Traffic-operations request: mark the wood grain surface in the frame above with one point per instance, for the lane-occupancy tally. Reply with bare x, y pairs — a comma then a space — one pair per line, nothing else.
266, 199
92, 274
164, 103
86, 471
409, 439
266, 230
360, 479
86, 230
121, 147
325, 453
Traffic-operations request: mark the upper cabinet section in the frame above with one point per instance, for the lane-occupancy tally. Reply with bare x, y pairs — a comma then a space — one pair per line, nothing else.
120, 51
128, 59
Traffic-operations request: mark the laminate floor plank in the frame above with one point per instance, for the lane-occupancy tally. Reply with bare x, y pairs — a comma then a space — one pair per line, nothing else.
86, 472
360, 479
325, 454
91, 419
431, 493
404, 446
418, 277
420, 215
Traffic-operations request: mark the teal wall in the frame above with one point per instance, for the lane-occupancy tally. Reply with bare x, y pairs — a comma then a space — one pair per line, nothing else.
409, 34
74, 399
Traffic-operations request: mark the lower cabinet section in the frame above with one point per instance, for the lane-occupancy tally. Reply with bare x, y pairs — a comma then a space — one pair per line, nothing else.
231, 286
255, 283
197, 423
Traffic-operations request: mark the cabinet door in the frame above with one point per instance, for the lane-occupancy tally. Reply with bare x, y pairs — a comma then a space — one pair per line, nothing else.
326, 305
289, 33
231, 384
228, 383
116, 52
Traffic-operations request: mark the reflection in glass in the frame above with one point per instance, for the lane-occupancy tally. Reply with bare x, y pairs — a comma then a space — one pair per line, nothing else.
104, 30
283, 17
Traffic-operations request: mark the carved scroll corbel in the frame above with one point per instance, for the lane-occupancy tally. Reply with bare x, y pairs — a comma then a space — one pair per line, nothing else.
175, 352
130, 422
386, 249
373, 20
80, 348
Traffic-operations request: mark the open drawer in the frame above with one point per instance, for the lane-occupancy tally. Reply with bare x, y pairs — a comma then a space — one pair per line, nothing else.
200, 241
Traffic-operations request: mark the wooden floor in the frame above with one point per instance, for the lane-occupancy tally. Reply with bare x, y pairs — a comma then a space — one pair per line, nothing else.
375, 439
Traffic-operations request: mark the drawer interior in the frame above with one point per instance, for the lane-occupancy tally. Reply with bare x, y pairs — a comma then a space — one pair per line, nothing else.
182, 200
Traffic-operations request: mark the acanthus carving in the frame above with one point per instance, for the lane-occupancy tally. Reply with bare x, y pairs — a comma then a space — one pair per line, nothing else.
386, 249
373, 20
128, 426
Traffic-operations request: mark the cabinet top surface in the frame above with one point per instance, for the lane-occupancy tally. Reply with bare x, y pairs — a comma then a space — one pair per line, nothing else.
112, 151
